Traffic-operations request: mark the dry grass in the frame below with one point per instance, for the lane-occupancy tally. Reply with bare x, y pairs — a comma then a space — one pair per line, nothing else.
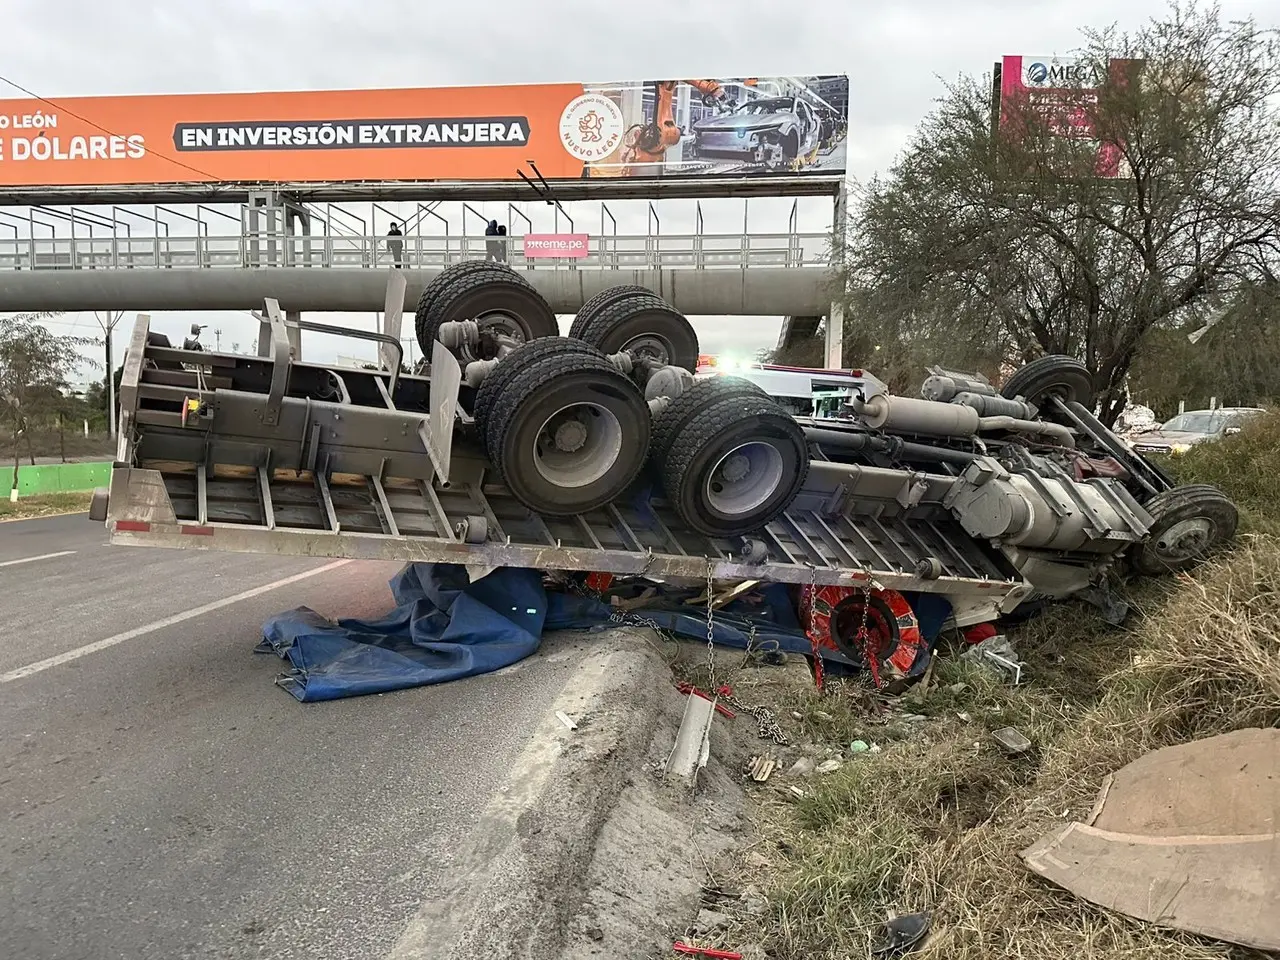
46, 505
937, 818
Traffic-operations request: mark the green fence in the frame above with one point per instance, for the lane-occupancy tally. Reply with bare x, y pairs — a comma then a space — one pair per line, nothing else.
55, 478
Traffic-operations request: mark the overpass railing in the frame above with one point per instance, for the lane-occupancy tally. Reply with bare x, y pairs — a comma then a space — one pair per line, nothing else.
694, 251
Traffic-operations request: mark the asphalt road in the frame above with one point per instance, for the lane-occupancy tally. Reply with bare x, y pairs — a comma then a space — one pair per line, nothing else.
161, 798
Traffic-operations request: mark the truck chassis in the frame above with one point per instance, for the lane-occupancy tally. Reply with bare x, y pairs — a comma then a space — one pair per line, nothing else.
953, 495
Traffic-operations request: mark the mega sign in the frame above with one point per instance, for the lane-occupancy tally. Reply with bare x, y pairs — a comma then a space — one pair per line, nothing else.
1063, 93
756, 126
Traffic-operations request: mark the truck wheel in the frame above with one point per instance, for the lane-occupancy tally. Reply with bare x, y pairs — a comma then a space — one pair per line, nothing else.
1190, 522
437, 285
601, 300
495, 385
736, 466
683, 409
645, 326
1054, 375
568, 434
493, 295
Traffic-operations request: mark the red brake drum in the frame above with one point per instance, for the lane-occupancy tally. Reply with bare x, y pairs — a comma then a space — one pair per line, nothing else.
893, 631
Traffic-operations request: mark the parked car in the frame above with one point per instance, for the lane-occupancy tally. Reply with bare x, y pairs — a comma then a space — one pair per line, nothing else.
1195, 426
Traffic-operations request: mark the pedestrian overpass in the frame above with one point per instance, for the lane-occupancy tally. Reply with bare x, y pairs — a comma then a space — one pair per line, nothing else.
193, 248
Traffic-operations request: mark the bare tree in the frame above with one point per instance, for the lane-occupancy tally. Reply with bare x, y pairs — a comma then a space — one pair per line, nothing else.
34, 362
1235, 358
1019, 243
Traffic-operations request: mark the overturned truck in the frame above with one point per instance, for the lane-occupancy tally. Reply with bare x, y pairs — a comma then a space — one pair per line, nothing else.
602, 452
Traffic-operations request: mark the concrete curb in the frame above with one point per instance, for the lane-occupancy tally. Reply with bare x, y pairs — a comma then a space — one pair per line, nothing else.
515, 885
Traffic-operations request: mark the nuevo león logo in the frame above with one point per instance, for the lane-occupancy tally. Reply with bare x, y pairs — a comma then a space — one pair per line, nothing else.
591, 127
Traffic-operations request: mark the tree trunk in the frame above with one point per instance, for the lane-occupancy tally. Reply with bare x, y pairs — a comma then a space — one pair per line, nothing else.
17, 456
62, 436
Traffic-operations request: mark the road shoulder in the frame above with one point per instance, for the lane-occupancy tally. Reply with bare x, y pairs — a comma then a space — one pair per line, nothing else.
586, 850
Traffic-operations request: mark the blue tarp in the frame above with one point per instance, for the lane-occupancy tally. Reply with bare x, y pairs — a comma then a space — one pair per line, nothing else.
443, 628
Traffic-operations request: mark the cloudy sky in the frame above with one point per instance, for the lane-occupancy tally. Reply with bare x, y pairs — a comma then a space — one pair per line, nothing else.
894, 53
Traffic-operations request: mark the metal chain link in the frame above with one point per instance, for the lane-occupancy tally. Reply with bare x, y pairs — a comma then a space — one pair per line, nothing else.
864, 639
711, 629
810, 605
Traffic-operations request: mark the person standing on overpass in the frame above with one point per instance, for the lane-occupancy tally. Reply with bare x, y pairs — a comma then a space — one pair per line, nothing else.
491, 246
395, 244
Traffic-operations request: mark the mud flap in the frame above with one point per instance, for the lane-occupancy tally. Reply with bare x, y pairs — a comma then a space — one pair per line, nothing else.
437, 429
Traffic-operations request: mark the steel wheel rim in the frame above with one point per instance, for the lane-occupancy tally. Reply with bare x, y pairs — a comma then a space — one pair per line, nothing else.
577, 445
744, 479
1185, 539
499, 321
649, 345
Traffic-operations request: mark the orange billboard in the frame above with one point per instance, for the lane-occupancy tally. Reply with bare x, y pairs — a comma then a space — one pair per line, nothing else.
752, 127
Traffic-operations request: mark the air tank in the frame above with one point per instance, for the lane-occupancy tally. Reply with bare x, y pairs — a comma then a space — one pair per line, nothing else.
943, 389
993, 406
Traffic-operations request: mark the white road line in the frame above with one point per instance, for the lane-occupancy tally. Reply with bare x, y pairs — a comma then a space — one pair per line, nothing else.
43, 556
94, 647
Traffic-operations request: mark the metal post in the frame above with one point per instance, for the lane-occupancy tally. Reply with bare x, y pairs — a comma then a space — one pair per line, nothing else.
111, 388
835, 318
108, 324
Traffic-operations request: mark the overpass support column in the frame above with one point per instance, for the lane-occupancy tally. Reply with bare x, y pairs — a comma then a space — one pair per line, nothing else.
835, 337
835, 316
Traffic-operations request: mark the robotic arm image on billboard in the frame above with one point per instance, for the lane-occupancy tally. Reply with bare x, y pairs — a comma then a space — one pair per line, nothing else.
647, 143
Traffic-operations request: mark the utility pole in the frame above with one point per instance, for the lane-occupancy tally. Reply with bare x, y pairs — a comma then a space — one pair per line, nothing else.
108, 323
217, 340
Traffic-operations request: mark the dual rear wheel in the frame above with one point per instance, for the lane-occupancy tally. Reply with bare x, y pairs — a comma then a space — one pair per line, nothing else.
569, 432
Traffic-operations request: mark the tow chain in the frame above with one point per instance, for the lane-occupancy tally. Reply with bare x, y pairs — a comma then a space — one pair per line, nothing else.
862, 639
869, 653
766, 723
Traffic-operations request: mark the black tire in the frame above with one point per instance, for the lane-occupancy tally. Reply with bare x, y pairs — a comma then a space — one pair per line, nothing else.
603, 299
685, 408
585, 399
1190, 523
647, 326
1054, 375
752, 433
492, 294
495, 385
437, 284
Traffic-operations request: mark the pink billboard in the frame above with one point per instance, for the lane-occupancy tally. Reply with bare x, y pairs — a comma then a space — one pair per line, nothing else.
1059, 90
572, 245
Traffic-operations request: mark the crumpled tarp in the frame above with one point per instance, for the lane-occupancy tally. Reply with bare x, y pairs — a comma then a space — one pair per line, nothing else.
443, 627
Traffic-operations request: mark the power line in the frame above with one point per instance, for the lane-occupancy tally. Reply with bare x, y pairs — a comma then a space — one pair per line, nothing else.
97, 126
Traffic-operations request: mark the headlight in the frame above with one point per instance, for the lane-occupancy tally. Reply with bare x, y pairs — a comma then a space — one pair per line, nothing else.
1180, 448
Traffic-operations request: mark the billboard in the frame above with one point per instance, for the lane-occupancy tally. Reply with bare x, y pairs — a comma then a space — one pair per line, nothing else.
1061, 91
646, 129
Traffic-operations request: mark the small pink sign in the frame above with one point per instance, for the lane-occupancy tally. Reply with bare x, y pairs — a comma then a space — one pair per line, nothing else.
555, 245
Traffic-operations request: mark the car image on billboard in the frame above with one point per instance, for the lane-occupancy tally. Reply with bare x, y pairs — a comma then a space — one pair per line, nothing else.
751, 126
